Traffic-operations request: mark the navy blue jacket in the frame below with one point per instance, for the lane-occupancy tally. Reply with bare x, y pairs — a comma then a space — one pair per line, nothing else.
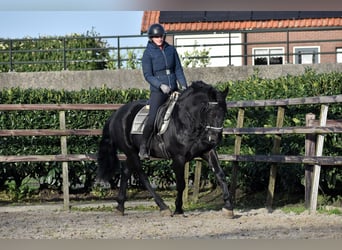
155, 62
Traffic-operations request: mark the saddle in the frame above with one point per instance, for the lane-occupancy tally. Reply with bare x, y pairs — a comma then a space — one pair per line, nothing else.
162, 119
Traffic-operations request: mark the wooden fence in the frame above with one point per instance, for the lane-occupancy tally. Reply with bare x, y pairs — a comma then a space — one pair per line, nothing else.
314, 158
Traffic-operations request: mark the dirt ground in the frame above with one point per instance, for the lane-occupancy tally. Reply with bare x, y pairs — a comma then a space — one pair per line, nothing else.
52, 222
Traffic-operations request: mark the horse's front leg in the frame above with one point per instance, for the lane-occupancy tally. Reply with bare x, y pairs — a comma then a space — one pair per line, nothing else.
178, 168
213, 162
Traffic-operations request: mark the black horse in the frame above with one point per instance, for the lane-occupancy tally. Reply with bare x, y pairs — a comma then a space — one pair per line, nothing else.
194, 130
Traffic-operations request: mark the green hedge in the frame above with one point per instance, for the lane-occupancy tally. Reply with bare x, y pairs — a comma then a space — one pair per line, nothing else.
49, 174
252, 176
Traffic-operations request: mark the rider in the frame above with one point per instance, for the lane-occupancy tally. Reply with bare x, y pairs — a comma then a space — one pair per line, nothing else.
162, 69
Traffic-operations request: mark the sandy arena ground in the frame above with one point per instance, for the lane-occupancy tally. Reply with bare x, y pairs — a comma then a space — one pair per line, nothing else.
52, 222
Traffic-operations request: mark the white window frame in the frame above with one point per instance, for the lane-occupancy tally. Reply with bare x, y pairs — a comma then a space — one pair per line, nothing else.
308, 58
338, 55
268, 55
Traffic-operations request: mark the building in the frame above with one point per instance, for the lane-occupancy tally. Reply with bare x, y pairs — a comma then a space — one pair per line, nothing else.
253, 37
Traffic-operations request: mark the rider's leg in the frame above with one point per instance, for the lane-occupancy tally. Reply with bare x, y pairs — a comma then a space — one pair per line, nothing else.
156, 100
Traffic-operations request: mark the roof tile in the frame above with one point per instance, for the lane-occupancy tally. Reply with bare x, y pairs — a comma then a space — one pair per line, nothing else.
150, 17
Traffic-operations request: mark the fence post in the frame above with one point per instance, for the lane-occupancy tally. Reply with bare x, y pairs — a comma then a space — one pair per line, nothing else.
310, 145
197, 180
186, 178
64, 55
11, 55
238, 139
65, 170
317, 168
119, 57
275, 150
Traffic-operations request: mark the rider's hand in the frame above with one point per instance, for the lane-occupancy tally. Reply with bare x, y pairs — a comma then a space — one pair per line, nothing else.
165, 89
183, 87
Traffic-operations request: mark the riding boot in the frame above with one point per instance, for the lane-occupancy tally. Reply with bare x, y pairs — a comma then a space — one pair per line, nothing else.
143, 154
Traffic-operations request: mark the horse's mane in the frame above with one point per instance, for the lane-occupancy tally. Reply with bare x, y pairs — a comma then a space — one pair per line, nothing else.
202, 87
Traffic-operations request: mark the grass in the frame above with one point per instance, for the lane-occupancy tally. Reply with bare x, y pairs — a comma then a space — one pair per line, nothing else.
208, 200
202, 206
297, 209
102, 208
300, 208
111, 208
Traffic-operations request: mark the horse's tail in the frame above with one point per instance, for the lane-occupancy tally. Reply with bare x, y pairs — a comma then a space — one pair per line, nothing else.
107, 158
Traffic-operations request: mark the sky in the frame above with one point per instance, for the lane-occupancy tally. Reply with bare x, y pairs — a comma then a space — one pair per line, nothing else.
21, 24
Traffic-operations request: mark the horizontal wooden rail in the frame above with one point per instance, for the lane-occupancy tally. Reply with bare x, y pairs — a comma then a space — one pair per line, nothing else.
47, 158
57, 107
49, 132
282, 130
231, 104
321, 160
226, 131
286, 102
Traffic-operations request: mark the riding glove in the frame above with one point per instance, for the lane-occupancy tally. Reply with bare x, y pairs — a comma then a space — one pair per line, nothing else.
182, 88
165, 89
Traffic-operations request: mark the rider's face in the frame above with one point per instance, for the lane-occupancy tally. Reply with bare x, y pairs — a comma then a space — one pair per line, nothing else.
158, 40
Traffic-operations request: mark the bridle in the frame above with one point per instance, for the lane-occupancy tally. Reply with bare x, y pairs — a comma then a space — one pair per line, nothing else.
214, 128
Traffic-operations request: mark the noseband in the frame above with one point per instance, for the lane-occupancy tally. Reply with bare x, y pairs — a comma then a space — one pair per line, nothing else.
218, 129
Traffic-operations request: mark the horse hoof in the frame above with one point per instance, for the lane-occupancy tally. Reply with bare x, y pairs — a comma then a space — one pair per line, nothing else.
166, 212
228, 213
118, 211
180, 215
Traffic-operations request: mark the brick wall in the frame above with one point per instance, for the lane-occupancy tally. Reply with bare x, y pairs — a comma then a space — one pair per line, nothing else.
304, 38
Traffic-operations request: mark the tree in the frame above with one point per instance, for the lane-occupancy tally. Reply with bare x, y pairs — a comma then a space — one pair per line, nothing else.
72, 52
196, 58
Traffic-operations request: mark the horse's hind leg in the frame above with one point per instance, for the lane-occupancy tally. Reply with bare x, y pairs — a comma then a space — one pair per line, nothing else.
122, 195
214, 163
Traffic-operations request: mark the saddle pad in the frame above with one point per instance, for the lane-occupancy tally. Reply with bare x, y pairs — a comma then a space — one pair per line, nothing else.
166, 119
162, 118
139, 120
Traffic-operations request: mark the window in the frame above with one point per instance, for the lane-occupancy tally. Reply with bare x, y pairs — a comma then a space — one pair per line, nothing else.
306, 55
268, 56
339, 55
224, 49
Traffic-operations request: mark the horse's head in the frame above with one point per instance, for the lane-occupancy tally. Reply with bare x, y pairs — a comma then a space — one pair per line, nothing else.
208, 107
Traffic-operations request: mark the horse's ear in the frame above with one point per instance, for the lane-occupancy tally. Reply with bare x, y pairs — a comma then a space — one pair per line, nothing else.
225, 92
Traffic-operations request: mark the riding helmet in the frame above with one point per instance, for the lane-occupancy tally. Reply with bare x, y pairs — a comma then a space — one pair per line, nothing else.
156, 30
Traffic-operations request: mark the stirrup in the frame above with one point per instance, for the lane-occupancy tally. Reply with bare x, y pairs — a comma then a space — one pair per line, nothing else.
143, 155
